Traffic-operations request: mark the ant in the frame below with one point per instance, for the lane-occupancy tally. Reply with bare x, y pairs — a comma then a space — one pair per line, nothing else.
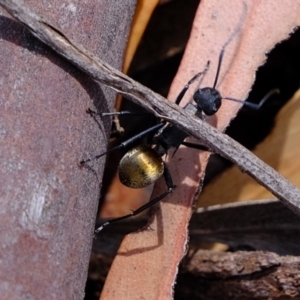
143, 165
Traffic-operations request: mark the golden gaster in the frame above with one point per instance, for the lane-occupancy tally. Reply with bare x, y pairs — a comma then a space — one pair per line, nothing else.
140, 167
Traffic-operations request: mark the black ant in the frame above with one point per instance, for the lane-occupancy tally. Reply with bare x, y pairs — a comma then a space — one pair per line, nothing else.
143, 165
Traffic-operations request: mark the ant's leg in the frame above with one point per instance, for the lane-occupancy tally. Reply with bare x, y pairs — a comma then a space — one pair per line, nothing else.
255, 105
128, 142
186, 87
133, 213
169, 182
115, 115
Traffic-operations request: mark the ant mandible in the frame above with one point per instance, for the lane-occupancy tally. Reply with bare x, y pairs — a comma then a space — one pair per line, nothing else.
143, 165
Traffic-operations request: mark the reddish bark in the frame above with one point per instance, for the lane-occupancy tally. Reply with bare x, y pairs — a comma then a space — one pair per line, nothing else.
49, 203
240, 275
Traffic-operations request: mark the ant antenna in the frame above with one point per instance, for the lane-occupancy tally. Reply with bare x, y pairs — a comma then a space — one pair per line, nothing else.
186, 87
127, 142
255, 105
234, 33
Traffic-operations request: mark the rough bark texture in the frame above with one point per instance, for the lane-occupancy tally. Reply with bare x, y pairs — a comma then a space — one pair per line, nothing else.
240, 275
48, 203
223, 265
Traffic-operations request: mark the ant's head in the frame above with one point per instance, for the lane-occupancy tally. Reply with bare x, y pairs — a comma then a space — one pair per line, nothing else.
208, 100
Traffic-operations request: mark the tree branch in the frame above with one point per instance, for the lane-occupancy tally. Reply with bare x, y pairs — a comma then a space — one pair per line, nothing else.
239, 275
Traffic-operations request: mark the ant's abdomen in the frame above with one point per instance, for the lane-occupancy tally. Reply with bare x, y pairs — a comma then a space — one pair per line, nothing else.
140, 167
